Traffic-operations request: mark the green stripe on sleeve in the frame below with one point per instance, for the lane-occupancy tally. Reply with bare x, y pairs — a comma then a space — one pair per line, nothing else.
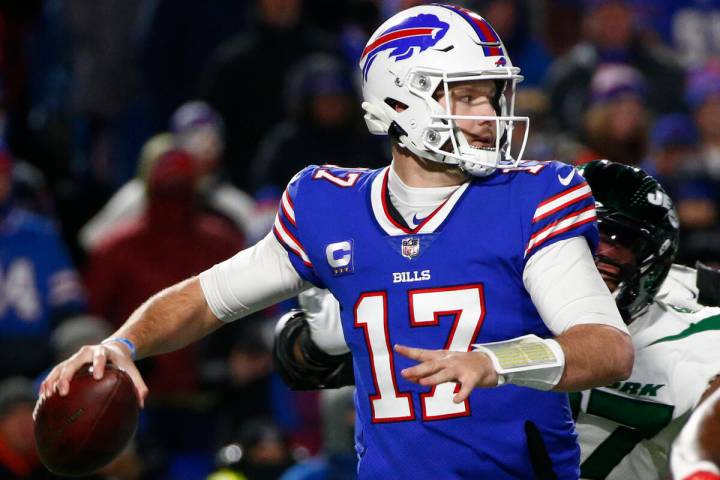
710, 323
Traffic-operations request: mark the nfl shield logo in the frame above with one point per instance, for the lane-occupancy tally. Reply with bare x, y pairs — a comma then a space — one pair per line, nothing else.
410, 247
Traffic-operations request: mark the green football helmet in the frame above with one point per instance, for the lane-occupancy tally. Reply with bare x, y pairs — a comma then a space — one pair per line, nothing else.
633, 211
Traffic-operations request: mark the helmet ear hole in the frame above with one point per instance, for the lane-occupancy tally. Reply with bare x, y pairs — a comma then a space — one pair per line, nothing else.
396, 105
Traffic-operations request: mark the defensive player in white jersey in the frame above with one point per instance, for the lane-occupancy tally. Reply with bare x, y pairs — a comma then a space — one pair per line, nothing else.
417, 293
625, 429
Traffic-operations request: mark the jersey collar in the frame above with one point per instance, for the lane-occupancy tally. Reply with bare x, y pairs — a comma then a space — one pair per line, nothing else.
380, 202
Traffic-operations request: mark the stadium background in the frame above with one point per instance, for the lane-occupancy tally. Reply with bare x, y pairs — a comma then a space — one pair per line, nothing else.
88, 89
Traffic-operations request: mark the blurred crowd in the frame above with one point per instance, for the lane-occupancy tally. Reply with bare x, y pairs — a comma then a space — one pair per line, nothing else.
142, 141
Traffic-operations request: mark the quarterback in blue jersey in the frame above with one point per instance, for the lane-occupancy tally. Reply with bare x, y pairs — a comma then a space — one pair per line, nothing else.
458, 268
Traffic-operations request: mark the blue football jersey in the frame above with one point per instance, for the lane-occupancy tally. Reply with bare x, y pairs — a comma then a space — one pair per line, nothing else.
38, 283
454, 280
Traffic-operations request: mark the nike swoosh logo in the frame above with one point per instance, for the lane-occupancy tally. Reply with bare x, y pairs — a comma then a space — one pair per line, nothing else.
566, 180
418, 221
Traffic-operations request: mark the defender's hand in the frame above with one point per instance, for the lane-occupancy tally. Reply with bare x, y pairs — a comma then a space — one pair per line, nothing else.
58, 380
469, 369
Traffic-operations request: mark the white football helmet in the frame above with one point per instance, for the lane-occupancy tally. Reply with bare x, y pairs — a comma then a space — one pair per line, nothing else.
423, 48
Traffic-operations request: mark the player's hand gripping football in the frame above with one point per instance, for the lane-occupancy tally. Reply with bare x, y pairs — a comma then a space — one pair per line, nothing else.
58, 380
469, 369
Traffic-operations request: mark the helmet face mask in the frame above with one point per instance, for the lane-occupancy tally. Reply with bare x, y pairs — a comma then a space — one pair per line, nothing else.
401, 65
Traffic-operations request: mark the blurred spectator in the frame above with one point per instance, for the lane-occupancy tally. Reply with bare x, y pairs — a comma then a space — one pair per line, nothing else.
697, 204
697, 208
18, 455
198, 130
339, 459
107, 85
673, 151
239, 366
322, 126
259, 452
360, 19
561, 24
245, 79
29, 190
178, 38
611, 37
17, 22
38, 285
128, 203
391, 7
616, 122
126, 466
170, 241
703, 96
76, 332
511, 20
693, 29
534, 103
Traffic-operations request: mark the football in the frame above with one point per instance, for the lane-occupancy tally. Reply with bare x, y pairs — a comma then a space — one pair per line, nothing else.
83, 431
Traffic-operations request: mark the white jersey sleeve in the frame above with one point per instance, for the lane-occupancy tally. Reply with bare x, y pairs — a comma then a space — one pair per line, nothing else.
626, 429
567, 289
253, 279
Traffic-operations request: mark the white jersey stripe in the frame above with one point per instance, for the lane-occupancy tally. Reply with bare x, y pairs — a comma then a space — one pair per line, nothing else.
563, 225
288, 208
564, 199
287, 238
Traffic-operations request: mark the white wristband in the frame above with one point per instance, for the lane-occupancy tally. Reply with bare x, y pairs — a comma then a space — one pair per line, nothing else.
529, 361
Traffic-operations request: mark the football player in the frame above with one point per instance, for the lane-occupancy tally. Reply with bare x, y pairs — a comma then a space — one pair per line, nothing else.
456, 243
625, 429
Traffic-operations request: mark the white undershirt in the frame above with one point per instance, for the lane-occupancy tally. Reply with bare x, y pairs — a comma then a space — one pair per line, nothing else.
413, 203
562, 279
